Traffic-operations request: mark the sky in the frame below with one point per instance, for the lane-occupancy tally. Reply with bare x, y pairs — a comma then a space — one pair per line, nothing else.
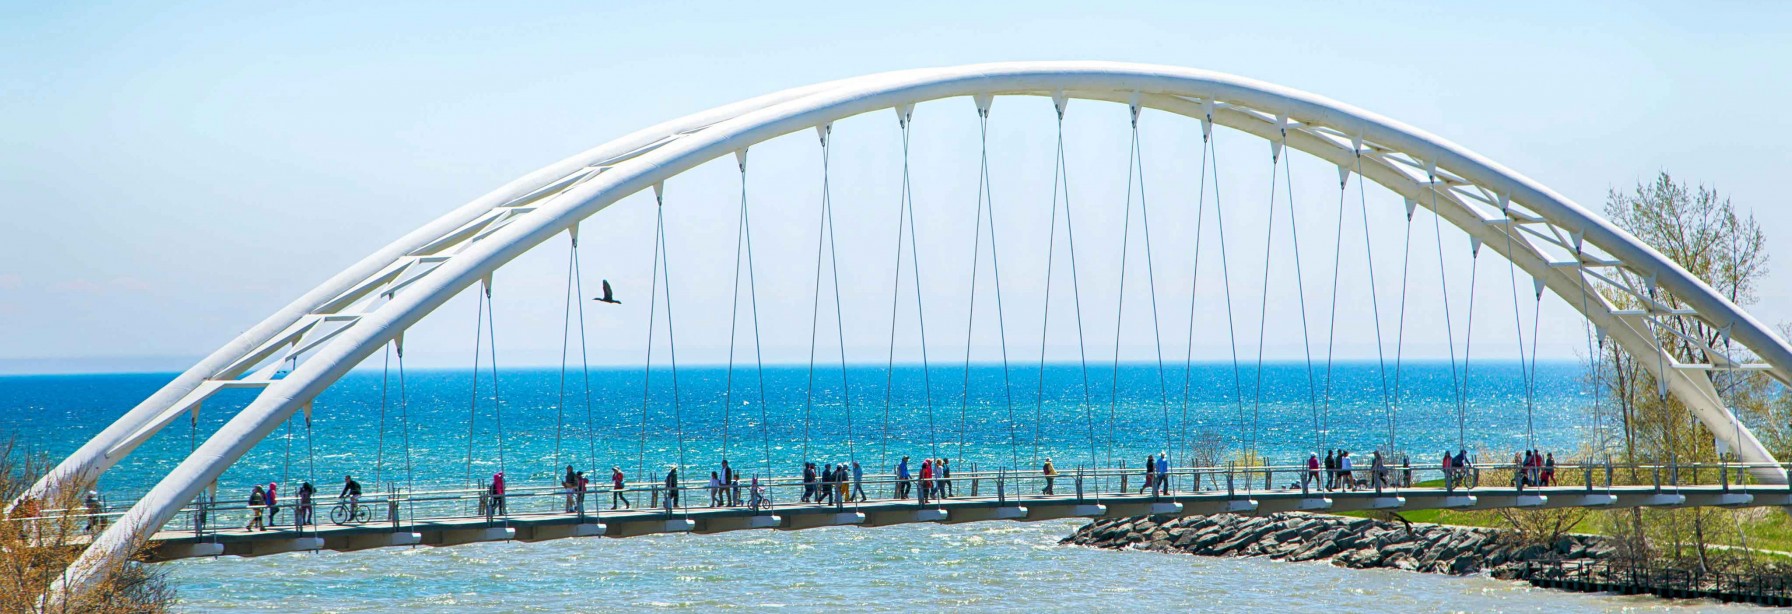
171, 173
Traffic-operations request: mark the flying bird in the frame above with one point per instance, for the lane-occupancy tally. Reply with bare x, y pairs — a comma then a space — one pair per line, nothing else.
608, 297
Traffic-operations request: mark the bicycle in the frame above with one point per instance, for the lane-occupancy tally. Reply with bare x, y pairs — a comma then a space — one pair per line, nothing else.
350, 512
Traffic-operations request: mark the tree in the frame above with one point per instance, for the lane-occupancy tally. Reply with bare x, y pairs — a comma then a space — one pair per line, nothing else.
1700, 230
39, 539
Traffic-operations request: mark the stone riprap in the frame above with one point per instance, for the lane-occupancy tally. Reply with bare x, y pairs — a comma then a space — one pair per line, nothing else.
1358, 543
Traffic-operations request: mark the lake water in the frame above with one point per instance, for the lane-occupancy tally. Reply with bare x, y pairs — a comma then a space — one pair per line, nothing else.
981, 566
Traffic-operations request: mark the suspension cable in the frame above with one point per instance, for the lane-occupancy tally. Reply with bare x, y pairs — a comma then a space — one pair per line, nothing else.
653, 294
1468, 339
671, 335
1275, 159
1188, 359
1219, 214
404, 418
473, 404
492, 346
1518, 330
578, 285
1443, 276
915, 270
1136, 160
1061, 184
1300, 284
379, 454
987, 190
746, 221
572, 255
1322, 422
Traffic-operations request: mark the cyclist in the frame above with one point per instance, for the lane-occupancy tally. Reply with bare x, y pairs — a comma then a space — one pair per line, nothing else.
351, 490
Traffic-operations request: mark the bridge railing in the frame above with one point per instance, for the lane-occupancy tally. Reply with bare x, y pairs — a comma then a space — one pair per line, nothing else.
399, 508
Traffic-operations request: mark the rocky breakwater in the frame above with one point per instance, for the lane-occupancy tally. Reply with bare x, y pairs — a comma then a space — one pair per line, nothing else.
1358, 543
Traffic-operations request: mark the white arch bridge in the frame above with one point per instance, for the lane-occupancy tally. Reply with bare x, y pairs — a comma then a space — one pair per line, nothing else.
1630, 294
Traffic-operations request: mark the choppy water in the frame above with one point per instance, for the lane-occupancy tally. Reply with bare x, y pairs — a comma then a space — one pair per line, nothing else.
987, 566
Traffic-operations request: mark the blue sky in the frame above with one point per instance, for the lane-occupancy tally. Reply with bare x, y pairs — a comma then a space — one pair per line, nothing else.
171, 173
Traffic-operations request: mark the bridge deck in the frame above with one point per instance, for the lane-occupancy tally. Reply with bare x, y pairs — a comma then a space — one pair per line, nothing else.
177, 544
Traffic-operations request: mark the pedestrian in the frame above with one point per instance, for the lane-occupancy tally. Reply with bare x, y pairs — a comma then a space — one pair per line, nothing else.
1150, 472
926, 479
273, 502
1331, 470
808, 481
1344, 468
902, 479
1312, 471
1051, 475
1549, 470
1449, 471
1405, 472
715, 489
1378, 470
257, 499
1519, 461
302, 516
672, 487
823, 487
858, 482
568, 483
727, 478
580, 487
497, 507
1163, 473
617, 492
95, 522
734, 490
945, 481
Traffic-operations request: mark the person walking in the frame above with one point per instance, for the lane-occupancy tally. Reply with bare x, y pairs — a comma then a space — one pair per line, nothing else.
715, 489
903, 484
1051, 475
1378, 471
672, 487
302, 515
1344, 468
95, 522
580, 486
273, 502
945, 481
1163, 474
1150, 472
1331, 470
926, 479
728, 497
823, 484
1549, 470
1312, 476
617, 493
257, 499
858, 483
569, 483
498, 508
808, 481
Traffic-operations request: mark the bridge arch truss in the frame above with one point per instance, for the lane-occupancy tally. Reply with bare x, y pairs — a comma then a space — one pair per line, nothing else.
326, 332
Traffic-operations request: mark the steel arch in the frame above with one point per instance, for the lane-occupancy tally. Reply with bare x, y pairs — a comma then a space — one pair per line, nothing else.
351, 316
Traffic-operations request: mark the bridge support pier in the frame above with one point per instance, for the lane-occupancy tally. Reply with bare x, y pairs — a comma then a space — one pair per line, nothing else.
631, 528
1657, 499
191, 550
737, 523
1067, 509
1123, 509
1517, 499
1718, 499
454, 537
1223, 506
973, 514
1580, 500
374, 540
887, 518
1348, 502
543, 532
825, 519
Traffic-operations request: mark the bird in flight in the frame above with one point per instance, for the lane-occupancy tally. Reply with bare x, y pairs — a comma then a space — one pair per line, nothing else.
608, 297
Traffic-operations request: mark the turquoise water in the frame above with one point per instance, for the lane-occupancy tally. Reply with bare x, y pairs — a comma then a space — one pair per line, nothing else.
982, 566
